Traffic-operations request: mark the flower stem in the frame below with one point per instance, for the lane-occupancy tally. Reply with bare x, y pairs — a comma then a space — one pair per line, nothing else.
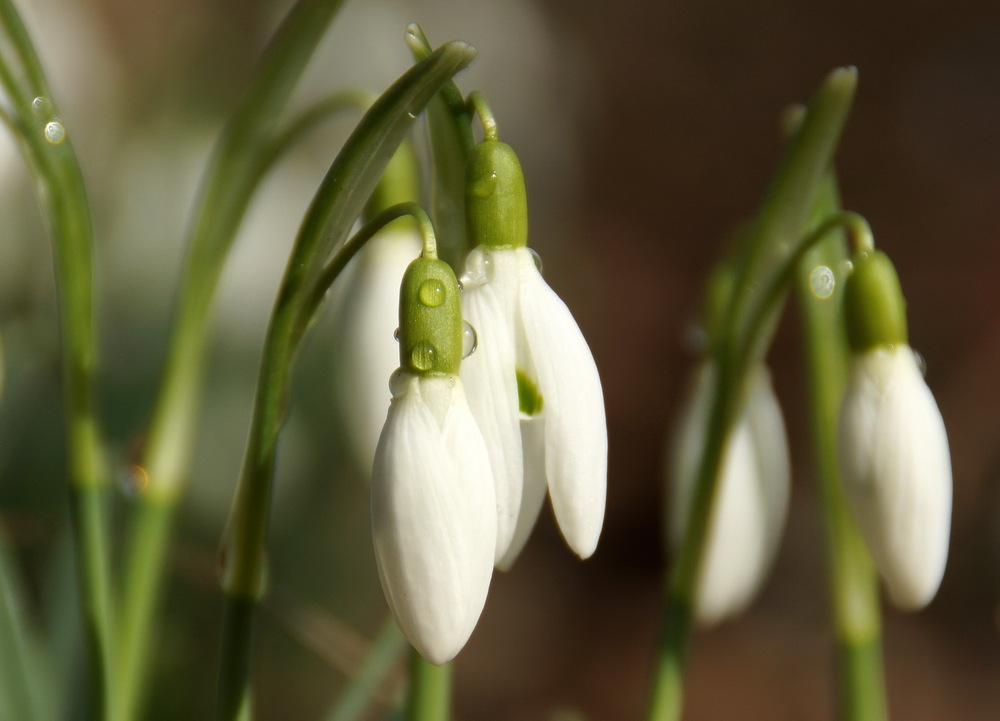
48, 148
477, 101
430, 690
775, 239
853, 584
248, 146
339, 201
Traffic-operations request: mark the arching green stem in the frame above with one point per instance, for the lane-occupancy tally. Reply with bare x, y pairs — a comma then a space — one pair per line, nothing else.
477, 101
772, 240
338, 203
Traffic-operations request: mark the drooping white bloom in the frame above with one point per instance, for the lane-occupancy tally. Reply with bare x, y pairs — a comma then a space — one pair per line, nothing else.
751, 497
433, 513
527, 333
896, 469
367, 312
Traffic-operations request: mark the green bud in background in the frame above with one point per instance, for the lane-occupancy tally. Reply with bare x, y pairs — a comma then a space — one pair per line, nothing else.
400, 182
874, 307
430, 319
496, 204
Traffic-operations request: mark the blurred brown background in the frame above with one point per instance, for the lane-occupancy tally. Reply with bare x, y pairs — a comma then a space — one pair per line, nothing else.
648, 130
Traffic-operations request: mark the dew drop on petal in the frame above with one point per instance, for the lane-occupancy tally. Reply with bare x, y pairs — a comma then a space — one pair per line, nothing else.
398, 382
470, 339
55, 133
921, 362
537, 259
431, 293
478, 268
822, 282
422, 356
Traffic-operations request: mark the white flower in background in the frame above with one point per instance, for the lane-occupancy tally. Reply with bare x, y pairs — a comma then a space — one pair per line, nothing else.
367, 313
751, 497
527, 335
892, 444
433, 514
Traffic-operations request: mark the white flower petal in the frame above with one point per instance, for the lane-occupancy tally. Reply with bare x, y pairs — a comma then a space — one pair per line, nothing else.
897, 472
533, 493
751, 499
488, 375
367, 313
576, 436
770, 441
734, 557
433, 517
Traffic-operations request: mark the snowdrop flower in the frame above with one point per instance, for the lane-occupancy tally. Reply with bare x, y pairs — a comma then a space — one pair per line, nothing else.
893, 447
433, 503
751, 498
533, 384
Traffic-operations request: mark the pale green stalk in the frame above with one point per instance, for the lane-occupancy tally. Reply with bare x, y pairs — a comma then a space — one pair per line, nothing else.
429, 697
67, 212
247, 148
338, 203
27, 688
450, 132
853, 583
386, 650
775, 238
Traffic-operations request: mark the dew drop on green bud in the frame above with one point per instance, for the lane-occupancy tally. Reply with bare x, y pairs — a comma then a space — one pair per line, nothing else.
431, 293
55, 133
470, 339
395, 335
422, 356
484, 187
822, 282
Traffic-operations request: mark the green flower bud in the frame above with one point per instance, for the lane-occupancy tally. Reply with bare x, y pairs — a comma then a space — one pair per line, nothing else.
430, 319
874, 307
496, 204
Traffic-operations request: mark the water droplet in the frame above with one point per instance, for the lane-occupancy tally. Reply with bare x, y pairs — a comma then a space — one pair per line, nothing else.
432, 293
395, 335
134, 480
470, 339
461, 286
484, 186
411, 115
848, 267
41, 107
921, 362
822, 282
478, 267
398, 382
537, 258
55, 133
422, 356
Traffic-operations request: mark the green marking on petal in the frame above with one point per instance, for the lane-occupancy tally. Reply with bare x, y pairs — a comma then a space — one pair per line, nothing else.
529, 399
